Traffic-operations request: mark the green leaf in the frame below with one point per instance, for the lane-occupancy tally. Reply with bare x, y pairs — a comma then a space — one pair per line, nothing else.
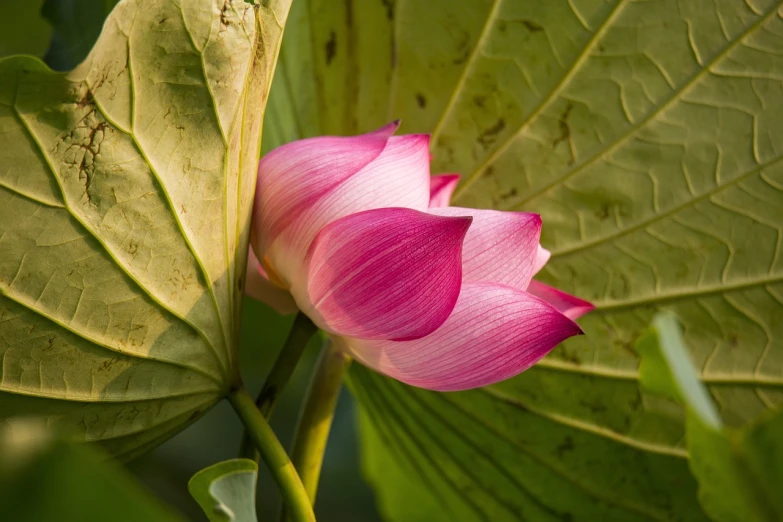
666, 368
42, 480
22, 29
125, 194
646, 135
740, 471
226, 491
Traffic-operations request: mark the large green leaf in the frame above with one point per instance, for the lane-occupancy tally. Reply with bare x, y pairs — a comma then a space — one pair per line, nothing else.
647, 135
125, 193
740, 470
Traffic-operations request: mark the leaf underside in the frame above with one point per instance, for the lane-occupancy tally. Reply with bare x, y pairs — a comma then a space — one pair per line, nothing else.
648, 136
125, 193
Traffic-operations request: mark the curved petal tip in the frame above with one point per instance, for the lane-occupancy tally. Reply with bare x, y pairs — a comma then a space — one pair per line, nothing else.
391, 273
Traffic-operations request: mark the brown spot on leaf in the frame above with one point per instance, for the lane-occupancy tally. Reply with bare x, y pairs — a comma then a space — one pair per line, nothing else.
463, 48
594, 407
489, 135
421, 101
565, 446
224, 21
603, 213
733, 341
510, 194
331, 47
85, 100
532, 26
562, 124
389, 6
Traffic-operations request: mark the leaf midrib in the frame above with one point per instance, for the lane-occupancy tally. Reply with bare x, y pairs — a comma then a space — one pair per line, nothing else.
101, 344
90, 399
685, 293
585, 426
205, 274
711, 379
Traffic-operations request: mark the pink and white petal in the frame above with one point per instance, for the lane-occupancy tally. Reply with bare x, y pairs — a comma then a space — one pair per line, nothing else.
567, 304
542, 257
295, 176
398, 177
441, 189
500, 247
392, 273
495, 332
258, 287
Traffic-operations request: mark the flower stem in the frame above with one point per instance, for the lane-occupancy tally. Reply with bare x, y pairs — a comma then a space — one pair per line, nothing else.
275, 457
315, 418
301, 332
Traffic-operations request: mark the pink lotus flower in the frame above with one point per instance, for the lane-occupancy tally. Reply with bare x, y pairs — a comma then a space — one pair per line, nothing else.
355, 233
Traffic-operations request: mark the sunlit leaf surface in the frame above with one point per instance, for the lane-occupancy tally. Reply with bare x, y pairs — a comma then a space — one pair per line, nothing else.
125, 191
648, 136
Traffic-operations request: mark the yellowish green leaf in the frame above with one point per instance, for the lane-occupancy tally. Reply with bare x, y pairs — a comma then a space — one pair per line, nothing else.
125, 193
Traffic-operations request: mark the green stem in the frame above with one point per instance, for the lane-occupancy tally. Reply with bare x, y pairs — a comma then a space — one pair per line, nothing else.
294, 495
301, 331
315, 418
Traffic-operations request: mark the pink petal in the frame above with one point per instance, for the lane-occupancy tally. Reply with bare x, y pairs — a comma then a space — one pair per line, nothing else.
441, 188
494, 333
258, 287
391, 273
542, 256
570, 306
296, 175
398, 177
500, 247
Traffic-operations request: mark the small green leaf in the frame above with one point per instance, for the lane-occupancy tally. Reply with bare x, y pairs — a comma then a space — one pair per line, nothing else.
125, 194
740, 470
666, 368
43, 480
226, 491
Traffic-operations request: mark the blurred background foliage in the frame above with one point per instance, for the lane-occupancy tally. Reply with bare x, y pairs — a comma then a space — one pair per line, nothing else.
62, 32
